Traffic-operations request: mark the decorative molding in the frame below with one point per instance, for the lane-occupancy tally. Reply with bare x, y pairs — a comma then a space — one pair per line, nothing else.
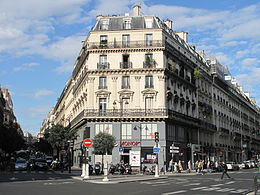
102, 93
125, 93
114, 79
149, 93
137, 78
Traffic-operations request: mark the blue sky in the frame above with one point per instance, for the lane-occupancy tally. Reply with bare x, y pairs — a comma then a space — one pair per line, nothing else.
40, 40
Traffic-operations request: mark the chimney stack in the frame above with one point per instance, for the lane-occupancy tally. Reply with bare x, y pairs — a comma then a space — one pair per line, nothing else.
136, 10
168, 23
183, 35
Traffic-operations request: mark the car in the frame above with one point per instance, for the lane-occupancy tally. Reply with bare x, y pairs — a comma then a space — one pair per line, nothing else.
21, 164
243, 165
250, 163
41, 164
232, 166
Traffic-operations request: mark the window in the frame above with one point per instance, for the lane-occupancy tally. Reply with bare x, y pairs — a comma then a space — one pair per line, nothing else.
102, 82
148, 23
149, 59
126, 131
105, 128
148, 130
127, 24
102, 106
125, 82
149, 81
104, 24
103, 40
148, 104
148, 40
103, 59
126, 40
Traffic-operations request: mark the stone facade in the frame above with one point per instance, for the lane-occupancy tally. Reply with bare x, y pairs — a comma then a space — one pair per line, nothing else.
135, 76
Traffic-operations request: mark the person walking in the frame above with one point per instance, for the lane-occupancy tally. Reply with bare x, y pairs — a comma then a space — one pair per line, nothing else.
224, 170
189, 166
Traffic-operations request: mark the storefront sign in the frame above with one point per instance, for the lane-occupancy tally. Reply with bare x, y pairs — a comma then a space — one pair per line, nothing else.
130, 143
135, 158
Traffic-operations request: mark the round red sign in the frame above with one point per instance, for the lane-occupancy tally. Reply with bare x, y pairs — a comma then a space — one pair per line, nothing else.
87, 142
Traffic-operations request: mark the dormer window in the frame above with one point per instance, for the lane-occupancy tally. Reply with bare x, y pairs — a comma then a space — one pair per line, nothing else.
149, 23
127, 24
104, 24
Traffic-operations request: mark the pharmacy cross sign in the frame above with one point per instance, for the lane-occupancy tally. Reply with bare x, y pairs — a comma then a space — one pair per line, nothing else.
87, 142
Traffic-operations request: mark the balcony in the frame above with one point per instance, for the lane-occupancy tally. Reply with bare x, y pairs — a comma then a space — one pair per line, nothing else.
126, 65
149, 86
102, 87
103, 65
120, 44
125, 87
149, 64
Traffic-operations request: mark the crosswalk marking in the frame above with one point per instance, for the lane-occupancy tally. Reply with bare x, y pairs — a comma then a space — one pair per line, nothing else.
230, 182
192, 184
225, 190
211, 189
218, 185
199, 188
176, 192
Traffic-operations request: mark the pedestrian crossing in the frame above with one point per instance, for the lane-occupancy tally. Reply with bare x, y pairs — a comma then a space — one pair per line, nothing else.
198, 187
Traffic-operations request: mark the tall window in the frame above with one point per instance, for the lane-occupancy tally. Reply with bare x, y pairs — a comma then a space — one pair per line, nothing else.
102, 106
104, 128
126, 131
103, 59
103, 40
149, 81
125, 82
104, 24
148, 39
102, 82
148, 130
126, 40
127, 24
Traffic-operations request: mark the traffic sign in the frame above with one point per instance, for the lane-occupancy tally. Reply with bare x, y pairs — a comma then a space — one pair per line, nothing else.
156, 150
121, 149
87, 142
174, 147
174, 151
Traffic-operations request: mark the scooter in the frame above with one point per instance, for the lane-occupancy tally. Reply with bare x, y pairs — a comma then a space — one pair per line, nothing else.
97, 168
112, 169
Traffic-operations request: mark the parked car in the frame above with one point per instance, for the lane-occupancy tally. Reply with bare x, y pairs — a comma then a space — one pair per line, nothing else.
232, 166
41, 164
21, 164
250, 163
243, 165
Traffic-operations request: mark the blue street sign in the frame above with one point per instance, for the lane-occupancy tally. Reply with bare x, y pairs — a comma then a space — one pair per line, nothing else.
156, 150
121, 149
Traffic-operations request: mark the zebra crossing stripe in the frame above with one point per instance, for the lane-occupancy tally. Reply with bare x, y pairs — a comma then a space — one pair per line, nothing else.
211, 189
199, 188
225, 190
176, 192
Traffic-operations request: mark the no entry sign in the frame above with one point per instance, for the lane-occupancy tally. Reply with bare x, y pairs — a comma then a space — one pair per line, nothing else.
87, 142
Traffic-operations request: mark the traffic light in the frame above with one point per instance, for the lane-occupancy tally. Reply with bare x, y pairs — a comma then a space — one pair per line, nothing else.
156, 137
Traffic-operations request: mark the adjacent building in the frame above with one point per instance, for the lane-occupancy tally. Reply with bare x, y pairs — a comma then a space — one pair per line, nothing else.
136, 76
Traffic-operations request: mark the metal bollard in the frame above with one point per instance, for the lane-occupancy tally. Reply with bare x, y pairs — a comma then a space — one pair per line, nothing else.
255, 184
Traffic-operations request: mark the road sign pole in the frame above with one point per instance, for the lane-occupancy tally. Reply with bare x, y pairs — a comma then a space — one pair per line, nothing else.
156, 166
83, 162
86, 167
172, 156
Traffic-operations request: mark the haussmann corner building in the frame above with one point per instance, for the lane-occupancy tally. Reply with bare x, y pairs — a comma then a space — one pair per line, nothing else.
136, 76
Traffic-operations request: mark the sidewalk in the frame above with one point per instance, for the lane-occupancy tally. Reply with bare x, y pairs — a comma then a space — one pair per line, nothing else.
117, 178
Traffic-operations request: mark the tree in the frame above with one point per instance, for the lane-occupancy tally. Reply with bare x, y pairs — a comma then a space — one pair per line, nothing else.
197, 73
103, 143
58, 136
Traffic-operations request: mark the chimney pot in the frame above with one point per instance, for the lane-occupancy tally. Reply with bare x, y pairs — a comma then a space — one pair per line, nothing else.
136, 10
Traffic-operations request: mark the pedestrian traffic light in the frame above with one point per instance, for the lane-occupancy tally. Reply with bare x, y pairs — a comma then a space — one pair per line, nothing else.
156, 136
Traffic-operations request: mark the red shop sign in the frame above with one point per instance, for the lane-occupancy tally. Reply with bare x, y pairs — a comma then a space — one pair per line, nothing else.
130, 143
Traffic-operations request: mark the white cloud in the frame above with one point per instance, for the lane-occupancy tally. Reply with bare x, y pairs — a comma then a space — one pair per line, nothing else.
39, 112
27, 66
40, 93
250, 63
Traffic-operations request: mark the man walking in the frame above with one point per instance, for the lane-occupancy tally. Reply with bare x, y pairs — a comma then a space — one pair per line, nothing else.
224, 170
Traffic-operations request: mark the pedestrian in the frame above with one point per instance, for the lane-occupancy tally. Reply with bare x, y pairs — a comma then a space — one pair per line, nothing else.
199, 166
196, 166
209, 166
224, 170
180, 166
189, 166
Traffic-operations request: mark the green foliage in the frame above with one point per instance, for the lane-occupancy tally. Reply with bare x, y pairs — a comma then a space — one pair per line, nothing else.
58, 136
10, 138
102, 143
197, 73
43, 146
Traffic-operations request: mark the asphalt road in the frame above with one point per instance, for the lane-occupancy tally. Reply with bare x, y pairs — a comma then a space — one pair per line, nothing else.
62, 184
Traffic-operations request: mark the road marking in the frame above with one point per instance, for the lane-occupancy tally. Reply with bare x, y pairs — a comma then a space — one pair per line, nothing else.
225, 190
163, 184
240, 190
199, 188
176, 192
230, 182
217, 185
146, 182
211, 189
192, 184
13, 178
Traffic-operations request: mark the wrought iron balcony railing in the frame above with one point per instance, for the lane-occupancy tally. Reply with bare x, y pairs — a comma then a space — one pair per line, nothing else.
130, 44
149, 64
103, 65
126, 65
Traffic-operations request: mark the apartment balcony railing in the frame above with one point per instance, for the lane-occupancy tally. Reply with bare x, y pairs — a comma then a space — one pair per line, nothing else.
130, 44
125, 87
132, 113
126, 65
103, 65
102, 87
149, 86
149, 64
207, 125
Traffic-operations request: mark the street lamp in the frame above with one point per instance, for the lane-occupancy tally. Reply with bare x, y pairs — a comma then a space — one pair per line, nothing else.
70, 154
140, 128
121, 103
